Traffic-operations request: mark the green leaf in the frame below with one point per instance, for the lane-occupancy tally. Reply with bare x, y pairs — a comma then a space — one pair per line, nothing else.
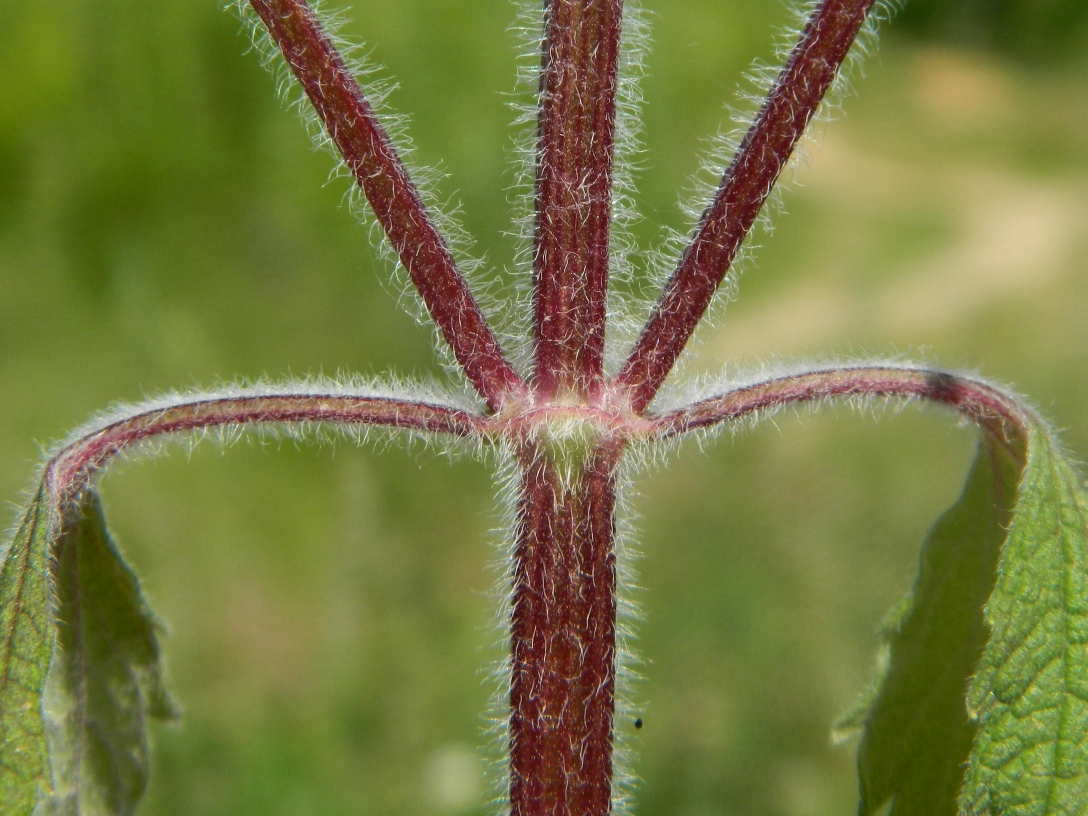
106, 677
917, 735
1030, 695
26, 643
982, 708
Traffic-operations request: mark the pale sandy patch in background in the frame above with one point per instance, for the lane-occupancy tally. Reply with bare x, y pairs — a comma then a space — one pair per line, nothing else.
1010, 235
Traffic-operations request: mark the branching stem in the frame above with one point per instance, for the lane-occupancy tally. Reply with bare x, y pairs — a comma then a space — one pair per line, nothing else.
994, 412
570, 433
77, 462
383, 178
768, 145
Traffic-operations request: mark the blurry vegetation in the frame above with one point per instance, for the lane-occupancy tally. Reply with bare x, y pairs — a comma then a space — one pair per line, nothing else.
164, 222
1034, 30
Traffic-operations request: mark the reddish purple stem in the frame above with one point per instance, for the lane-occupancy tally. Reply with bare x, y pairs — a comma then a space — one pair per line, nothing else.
990, 409
751, 176
562, 685
575, 143
77, 462
563, 630
372, 159
563, 620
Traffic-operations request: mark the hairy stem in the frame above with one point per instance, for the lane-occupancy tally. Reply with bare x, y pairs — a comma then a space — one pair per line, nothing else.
994, 412
576, 129
563, 630
797, 93
380, 173
75, 463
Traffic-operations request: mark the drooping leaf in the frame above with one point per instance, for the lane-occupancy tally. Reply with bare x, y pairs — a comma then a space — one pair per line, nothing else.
917, 735
26, 643
1030, 694
106, 678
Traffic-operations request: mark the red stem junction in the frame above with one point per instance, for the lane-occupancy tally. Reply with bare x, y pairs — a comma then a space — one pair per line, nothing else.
566, 422
562, 686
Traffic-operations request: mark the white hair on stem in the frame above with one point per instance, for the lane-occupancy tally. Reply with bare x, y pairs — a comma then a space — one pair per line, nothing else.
872, 405
528, 31
622, 327
305, 430
498, 676
231, 433
628, 615
442, 209
720, 148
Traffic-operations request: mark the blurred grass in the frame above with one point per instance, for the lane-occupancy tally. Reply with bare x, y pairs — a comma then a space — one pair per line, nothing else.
163, 223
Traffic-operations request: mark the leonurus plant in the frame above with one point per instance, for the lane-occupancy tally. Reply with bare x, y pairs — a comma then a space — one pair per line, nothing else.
980, 704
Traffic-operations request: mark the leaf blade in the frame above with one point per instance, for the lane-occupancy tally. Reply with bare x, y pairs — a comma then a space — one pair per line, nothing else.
107, 677
917, 734
26, 644
1026, 706
1030, 694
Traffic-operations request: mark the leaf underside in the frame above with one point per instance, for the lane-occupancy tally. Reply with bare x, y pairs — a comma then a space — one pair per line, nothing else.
981, 708
106, 678
80, 669
917, 733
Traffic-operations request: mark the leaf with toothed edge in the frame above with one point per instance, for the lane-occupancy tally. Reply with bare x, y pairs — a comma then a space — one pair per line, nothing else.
107, 677
1030, 694
916, 732
982, 709
26, 643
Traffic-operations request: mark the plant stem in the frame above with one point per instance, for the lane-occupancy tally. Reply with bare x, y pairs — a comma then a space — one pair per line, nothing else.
797, 93
994, 412
576, 130
373, 161
563, 628
78, 461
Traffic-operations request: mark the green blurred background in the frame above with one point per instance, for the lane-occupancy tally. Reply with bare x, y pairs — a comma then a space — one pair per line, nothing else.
164, 223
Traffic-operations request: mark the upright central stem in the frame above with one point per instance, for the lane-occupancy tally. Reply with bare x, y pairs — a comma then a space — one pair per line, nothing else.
562, 695
575, 146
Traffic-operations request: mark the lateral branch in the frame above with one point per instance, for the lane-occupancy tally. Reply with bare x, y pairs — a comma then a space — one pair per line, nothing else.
354, 128
797, 93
